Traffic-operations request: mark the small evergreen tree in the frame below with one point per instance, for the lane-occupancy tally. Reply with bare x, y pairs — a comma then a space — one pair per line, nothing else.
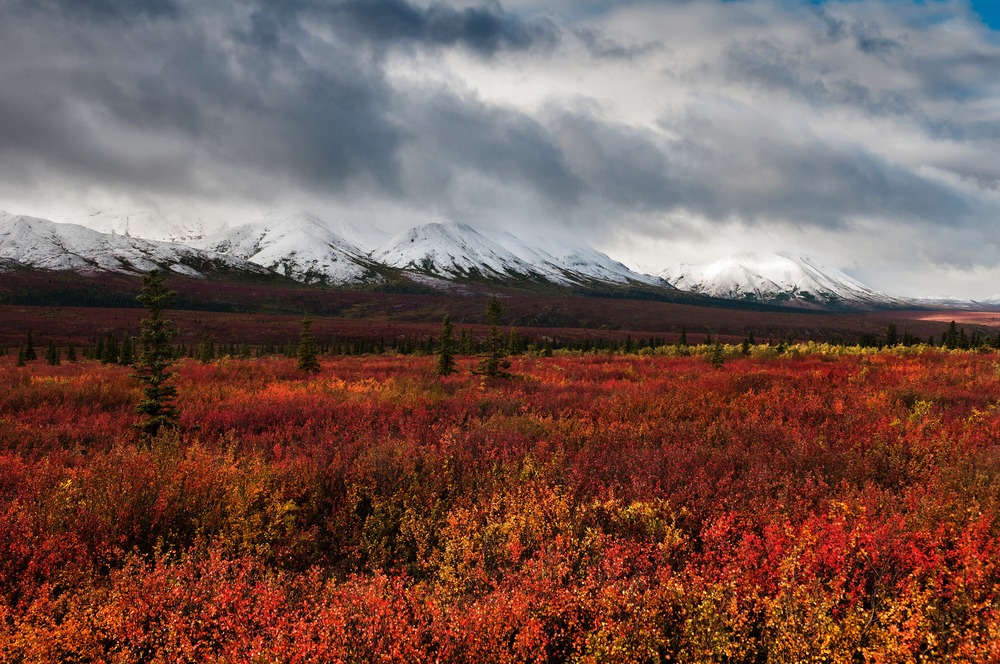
206, 350
950, 339
716, 356
446, 349
683, 340
52, 355
495, 364
158, 406
71, 353
126, 357
111, 350
891, 336
29, 348
20, 357
306, 351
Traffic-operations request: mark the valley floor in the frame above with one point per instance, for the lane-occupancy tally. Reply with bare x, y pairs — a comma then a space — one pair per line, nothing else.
821, 504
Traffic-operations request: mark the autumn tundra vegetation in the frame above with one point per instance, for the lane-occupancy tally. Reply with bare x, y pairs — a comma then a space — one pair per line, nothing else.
718, 502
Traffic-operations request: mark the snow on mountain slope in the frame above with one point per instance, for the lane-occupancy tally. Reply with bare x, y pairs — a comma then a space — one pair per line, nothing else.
777, 278
300, 246
452, 250
144, 224
40, 243
567, 263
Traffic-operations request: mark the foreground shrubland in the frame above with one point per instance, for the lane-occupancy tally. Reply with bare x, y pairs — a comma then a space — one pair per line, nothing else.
591, 509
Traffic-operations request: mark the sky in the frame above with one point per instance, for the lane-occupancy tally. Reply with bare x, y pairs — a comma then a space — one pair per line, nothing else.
862, 132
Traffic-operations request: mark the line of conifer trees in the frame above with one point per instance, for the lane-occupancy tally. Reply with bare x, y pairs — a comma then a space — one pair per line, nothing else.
121, 348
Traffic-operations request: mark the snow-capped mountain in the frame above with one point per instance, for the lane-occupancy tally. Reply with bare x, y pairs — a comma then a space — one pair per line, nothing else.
568, 263
144, 224
443, 255
39, 243
776, 278
454, 250
300, 246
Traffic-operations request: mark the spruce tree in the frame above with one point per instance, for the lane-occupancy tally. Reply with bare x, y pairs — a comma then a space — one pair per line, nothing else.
716, 356
71, 353
29, 348
495, 364
891, 336
127, 355
52, 354
446, 350
158, 406
206, 350
307, 348
683, 339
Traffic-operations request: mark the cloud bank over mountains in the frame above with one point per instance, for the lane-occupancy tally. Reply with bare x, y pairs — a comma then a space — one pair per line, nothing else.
866, 131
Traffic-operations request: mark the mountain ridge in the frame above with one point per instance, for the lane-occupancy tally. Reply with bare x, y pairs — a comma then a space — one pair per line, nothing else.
780, 278
438, 256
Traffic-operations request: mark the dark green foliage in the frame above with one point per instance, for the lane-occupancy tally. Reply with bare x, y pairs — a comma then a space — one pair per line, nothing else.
683, 340
446, 349
158, 406
52, 355
495, 364
71, 353
126, 356
29, 348
206, 350
111, 350
307, 350
891, 336
716, 356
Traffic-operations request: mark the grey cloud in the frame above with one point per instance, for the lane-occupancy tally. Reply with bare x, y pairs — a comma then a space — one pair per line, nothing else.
450, 134
119, 11
257, 99
869, 39
755, 169
762, 63
201, 99
486, 29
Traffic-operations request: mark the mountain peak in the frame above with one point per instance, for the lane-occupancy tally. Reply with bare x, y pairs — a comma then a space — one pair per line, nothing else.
780, 278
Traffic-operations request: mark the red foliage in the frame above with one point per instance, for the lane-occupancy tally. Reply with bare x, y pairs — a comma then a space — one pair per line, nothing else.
592, 508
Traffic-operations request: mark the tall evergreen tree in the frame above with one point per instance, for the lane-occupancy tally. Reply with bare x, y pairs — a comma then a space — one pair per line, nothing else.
158, 406
446, 350
306, 351
495, 364
29, 348
891, 335
71, 353
52, 355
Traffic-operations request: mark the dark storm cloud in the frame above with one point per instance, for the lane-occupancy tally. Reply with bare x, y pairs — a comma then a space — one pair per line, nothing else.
206, 96
451, 134
485, 29
170, 100
254, 100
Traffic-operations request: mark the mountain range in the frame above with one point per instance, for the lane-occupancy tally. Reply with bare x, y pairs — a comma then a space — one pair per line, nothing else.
776, 278
443, 255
